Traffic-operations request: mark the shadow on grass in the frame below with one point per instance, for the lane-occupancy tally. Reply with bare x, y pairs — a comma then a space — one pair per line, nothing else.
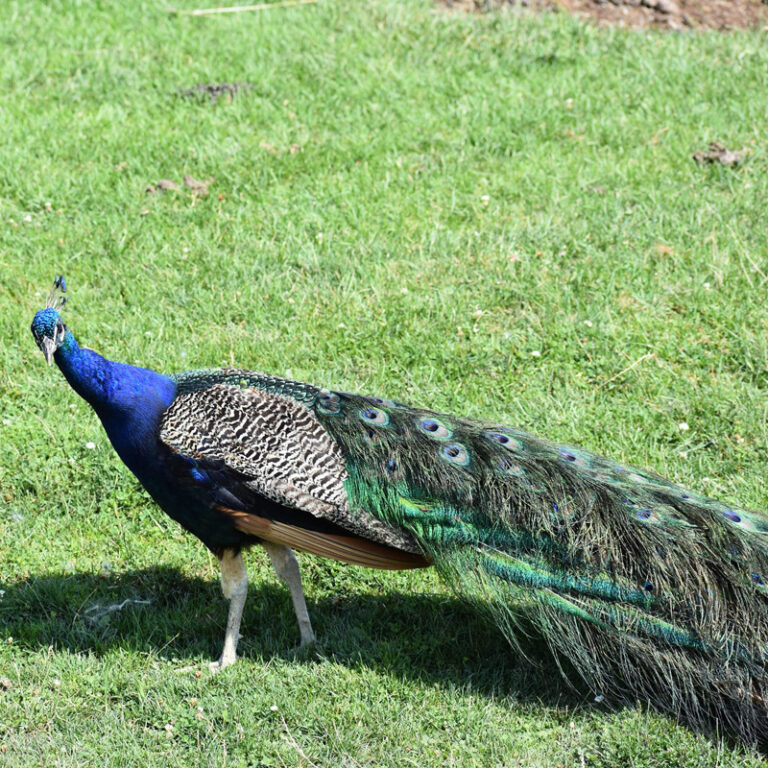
431, 638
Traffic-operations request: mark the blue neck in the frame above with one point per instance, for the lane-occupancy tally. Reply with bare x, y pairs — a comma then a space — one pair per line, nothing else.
128, 400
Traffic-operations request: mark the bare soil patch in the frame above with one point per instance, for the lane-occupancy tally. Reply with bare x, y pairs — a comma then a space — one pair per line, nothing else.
669, 14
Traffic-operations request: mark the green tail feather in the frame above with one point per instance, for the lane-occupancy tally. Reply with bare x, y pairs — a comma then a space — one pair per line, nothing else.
651, 591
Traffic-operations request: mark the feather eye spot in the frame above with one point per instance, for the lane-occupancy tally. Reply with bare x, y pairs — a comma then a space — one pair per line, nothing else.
643, 479
375, 416
644, 514
757, 579
574, 456
604, 477
329, 402
455, 453
730, 515
648, 586
510, 468
383, 402
391, 466
507, 441
434, 428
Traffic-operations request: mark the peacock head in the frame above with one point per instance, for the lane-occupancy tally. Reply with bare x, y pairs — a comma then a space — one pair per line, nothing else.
47, 327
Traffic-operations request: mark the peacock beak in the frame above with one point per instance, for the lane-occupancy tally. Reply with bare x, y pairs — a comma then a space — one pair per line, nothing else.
48, 346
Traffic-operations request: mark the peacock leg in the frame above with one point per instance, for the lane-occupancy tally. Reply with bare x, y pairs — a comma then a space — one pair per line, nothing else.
287, 568
234, 585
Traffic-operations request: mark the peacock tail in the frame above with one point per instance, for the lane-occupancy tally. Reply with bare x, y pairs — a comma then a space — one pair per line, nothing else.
648, 590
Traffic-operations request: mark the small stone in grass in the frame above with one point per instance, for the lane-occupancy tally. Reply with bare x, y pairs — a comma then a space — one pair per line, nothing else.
163, 185
718, 154
198, 187
215, 91
166, 185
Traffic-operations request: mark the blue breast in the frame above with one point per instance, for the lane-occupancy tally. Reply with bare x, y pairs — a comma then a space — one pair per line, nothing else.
130, 402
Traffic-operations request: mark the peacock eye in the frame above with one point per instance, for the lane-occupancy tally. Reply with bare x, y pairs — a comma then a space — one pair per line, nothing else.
329, 402
455, 453
374, 416
509, 467
60, 332
434, 428
383, 402
507, 441
574, 456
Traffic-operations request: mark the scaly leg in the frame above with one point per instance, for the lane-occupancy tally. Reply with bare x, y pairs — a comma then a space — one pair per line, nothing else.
234, 585
286, 567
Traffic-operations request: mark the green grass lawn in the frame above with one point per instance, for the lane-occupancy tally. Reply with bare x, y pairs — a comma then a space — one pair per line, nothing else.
492, 215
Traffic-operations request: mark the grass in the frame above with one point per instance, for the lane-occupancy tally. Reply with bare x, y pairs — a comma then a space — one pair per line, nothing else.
492, 215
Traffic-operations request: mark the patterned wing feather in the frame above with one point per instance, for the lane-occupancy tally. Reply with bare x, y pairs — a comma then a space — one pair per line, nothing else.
255, 426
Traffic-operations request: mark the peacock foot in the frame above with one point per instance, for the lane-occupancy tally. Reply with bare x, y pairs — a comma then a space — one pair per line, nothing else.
225, 661
307, 650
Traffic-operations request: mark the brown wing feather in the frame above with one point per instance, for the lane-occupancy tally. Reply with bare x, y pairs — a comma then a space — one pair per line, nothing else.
280, 447
347, 549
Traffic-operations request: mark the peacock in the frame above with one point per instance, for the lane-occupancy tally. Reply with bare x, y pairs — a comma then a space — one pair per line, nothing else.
651, 592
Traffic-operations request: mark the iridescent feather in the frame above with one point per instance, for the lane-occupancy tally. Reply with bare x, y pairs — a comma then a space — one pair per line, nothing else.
650, 590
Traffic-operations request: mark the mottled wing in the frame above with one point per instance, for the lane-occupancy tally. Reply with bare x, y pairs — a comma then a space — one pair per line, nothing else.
275, 442
276, 447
